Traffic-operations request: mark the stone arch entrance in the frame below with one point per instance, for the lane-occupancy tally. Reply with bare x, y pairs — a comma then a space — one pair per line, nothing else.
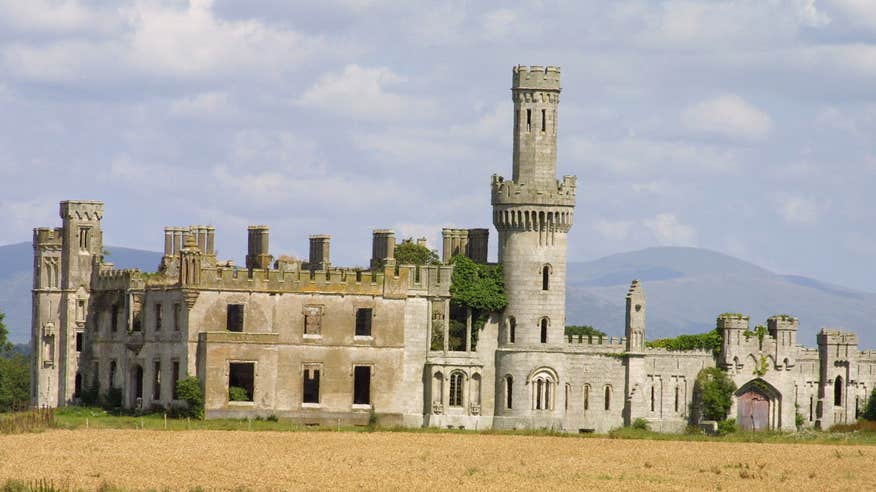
758, 406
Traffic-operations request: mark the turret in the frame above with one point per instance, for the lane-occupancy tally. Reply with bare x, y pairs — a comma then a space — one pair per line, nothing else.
732, 326
635, 318
783, 329
536, 94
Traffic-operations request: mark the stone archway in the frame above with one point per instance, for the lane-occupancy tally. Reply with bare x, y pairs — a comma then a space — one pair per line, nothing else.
758, 406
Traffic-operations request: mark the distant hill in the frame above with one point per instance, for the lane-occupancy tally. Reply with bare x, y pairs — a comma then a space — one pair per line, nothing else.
16, 281
687, 288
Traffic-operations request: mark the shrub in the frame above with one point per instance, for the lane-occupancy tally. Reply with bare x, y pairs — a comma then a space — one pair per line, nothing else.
272, 418
189, 391
90, 396
726, 427
236, 393
641, 424
112, 399
713, 390
704, 341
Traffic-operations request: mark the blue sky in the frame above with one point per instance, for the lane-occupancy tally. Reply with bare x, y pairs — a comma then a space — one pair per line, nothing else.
745, 127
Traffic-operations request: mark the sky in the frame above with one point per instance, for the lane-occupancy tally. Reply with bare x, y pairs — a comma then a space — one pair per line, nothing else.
745, 126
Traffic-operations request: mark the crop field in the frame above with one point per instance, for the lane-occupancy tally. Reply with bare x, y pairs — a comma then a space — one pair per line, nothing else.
268, 460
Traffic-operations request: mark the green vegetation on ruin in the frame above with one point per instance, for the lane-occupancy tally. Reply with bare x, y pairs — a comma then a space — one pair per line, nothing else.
711, 340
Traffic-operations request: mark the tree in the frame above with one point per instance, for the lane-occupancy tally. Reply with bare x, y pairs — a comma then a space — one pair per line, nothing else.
870, 409
189, 390
14, 374
5, 345
584, 330
411, 253
714, 392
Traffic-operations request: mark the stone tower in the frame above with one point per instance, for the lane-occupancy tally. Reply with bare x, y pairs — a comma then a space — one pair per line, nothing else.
533, 214
63, 263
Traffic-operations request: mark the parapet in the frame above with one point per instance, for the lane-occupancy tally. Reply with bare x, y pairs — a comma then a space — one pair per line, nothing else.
536, 77
829, 336
507, 192
733, 321
81, 210
45, 236
782, 322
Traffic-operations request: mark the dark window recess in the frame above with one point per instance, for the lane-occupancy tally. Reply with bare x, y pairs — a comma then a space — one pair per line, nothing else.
176, 309
543, 120
362, 385
544, 327
79, 341
77, 385
137, 326
607, 398
456, 330
158, 317
529, 120
112, 374
175, 379
512, 329
509, 392
363, 322
545, 277
114, 319
311, 385
838, 391
234, 321
241, 375
156, 380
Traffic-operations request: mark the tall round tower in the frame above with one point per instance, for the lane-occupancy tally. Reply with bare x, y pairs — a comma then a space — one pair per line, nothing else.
533, 214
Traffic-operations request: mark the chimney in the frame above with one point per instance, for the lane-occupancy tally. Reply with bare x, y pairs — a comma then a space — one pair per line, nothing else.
257, 256
319, 252
382, 248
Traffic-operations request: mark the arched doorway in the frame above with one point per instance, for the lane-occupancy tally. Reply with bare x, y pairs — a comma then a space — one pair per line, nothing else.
758, 406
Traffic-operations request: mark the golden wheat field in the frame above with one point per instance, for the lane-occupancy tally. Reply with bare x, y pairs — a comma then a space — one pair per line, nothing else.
143, 459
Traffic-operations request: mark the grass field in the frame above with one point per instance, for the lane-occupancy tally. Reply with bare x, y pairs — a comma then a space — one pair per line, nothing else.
271, 460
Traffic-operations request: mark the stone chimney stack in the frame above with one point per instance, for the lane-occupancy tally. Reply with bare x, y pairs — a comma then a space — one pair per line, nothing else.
258, 257
319, 252
382, 248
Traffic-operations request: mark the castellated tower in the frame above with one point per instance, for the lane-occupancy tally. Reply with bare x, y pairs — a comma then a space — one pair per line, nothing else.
533, 214
63, 261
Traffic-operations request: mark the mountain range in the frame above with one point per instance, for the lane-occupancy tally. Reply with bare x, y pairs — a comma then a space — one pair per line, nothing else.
685, 288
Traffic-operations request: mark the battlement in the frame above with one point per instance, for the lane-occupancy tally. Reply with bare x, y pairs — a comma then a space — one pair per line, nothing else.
46, 236
597, 340
733, 321
536, 77
81, 210
507, 192
118, 280
837, 337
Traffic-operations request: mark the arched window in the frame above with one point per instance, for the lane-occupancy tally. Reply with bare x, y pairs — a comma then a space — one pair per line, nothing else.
608, 397
545, 277
512, 328
456, 382
544, 327
543, 383
586, 397
838, 391
509, 392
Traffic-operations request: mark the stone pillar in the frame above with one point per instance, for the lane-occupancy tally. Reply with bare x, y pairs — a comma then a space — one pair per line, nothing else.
478, 242
177, 240
258, 257
168, 241
211, 236
202, 237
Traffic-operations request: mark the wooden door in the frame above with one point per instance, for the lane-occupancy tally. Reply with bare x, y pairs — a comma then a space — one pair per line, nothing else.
754, 411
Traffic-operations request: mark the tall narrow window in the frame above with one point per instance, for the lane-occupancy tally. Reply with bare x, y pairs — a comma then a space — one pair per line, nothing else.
156, 380
158, 317
509, 392
77, 385
79, 341
545, 277
838, 391
586, 397
234, 319
512, 328
539, 389
363, 322
456, 382
608, 397
566, 398
811, 407
529, 120
652, 397
176, 311
362, 385
114, 318
544, 329
174, 379
311, 385
543, 120
112, 374
676, 399
84, 237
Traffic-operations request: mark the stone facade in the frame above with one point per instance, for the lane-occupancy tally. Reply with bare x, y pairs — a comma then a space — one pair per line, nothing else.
321, 344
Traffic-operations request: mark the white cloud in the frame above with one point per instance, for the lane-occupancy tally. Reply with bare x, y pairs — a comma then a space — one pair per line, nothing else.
204, 105
729, 116
859, 12
799, 210
499, 24
668, 230
361, 93
53, 16
618, 230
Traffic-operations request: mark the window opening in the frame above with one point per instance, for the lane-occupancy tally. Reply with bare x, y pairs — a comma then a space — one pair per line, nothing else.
545, 277
176, 311
544, 329
311, 385
543, 120
241, 378
608, 397
158, 317
838, 391
363, 322
529, 120
156, 380
77, 385
652, 397
676, 398
512, 328
509, 392
586, 398
456, 382
79, 341
114, 318
174, 379
112, 373
234, 320
362, 385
